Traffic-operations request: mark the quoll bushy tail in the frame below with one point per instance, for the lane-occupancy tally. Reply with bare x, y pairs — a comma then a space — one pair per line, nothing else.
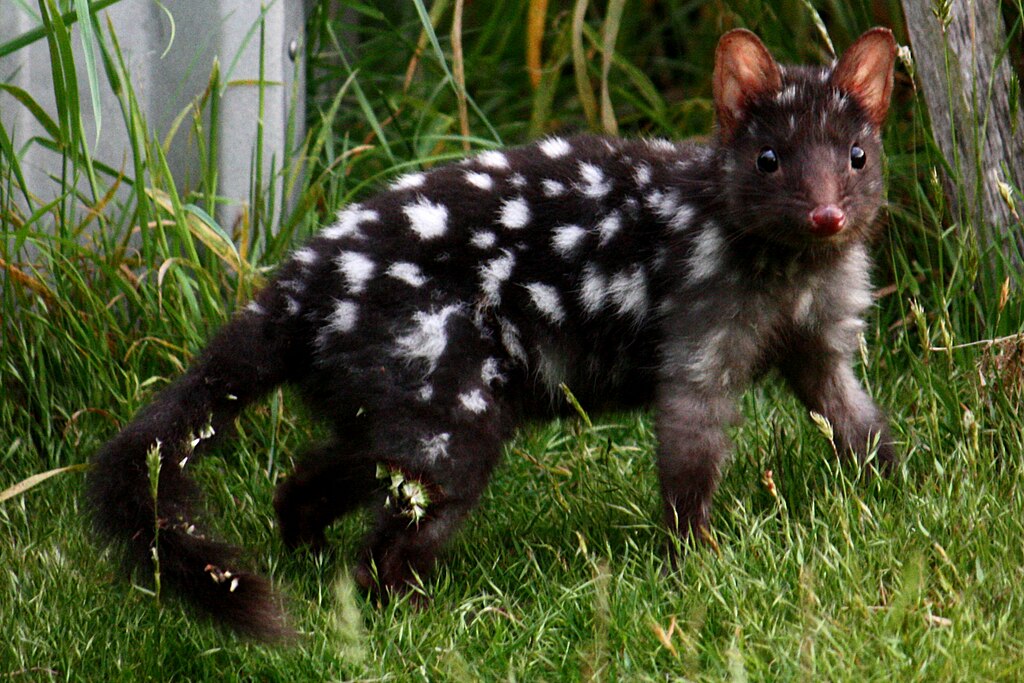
242, 363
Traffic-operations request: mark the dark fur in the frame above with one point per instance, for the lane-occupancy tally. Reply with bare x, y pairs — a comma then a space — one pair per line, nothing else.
671, 274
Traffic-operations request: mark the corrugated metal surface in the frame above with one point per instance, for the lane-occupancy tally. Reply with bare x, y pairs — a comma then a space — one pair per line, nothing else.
167, 75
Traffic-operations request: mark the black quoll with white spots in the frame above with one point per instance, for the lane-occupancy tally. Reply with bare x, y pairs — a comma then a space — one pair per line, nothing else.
427, 322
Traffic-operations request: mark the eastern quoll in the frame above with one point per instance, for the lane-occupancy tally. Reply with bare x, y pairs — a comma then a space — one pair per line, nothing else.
430, 320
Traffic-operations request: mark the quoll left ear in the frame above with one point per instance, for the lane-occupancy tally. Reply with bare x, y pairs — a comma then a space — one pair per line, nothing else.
865, 71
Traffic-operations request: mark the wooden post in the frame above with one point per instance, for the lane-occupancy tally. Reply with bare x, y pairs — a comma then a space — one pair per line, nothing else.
959, 51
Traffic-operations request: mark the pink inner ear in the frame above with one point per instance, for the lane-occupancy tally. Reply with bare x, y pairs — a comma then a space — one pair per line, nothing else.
744, 69
732, 96
866, 72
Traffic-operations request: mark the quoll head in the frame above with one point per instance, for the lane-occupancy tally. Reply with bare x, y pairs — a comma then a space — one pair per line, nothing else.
801, 146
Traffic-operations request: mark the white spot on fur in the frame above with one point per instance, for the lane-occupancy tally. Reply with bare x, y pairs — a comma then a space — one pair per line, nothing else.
492, 159
517, 180
408, 273
297, 286
510, 340
786, 96
706, 258
426, 393
483, 239
493, 274
594, 183
293, 306
609, 226
661, 145
854, 270
473, 401
642, 175
555, 147
409, 181
566, 238
593, 289
357, 269
628, 291
802, 309
343, 318
427, 219
706, 366
546, 299
435, 447
428, 339
254, 307
349, 220
682, 218
490, 372
664, 204
552, 188
480, 180
515, 213
305, 256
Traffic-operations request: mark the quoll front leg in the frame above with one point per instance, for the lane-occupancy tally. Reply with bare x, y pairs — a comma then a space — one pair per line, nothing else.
824, 380
692, 445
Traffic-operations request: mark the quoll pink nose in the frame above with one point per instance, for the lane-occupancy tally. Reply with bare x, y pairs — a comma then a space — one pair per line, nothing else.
827, 220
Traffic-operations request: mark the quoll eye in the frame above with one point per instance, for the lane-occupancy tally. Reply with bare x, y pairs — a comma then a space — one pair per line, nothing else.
857, 157
767, 161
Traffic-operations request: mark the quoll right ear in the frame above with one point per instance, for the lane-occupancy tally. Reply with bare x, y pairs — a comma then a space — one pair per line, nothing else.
744, 70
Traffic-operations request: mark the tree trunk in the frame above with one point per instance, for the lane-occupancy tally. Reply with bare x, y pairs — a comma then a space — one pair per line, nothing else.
965, 73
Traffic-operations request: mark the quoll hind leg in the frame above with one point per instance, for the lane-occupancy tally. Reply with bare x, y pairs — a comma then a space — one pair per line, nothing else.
330, 480
429, 492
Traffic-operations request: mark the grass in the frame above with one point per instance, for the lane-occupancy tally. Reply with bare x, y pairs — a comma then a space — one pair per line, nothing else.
816, 572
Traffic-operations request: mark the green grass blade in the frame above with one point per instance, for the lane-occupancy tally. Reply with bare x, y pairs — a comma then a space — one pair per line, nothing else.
29, 37
612, 26
428, 27
40, 115
580, 69
65, 83
250, 33
10, 157
88, 37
